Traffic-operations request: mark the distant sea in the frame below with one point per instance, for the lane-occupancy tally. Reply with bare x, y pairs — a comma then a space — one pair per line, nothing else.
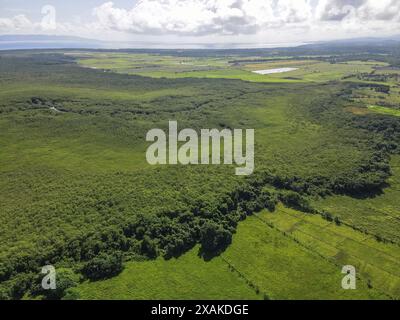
50, 44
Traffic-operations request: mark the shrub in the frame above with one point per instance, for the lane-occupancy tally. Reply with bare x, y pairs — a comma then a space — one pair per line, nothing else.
5, 294
20, 284
294, 200
65, 279
214, 238
103, 266
71, 294
268, 200
148, 247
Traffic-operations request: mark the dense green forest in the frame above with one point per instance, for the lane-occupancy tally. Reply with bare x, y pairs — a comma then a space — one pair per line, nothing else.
76, 191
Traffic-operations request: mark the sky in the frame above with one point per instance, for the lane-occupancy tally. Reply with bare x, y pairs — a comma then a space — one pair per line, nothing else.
203, 21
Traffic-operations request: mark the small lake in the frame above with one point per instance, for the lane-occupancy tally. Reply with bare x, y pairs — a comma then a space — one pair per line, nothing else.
279, 70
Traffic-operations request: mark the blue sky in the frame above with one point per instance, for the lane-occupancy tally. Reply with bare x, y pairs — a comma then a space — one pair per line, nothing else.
208, 21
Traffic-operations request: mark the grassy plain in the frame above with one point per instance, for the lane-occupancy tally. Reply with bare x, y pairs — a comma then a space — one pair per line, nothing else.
385, 110
376, 262
188, 277
225, 68
261, 263
379, 215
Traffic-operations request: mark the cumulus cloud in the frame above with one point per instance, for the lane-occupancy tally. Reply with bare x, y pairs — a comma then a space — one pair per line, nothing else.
360, 10
200, 17
19, 22
365, 17
231, 17
22, 24
275, 20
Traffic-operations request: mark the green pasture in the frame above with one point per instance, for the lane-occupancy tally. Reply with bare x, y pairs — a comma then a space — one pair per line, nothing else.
261, 263
378, 215
376, 262
385, 110
181, 67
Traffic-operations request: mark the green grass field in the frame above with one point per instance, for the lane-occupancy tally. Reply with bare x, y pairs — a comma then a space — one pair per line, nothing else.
180, 67
376, 262
385, 110
378, 215
262, 263
188, 277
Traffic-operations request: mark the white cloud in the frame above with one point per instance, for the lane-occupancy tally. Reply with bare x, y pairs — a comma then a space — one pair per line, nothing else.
384, 10
235, 17
200, 17
360, 10
366, 17
18, 22
225, 20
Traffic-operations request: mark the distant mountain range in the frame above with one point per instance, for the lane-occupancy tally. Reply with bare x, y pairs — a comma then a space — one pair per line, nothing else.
15, 42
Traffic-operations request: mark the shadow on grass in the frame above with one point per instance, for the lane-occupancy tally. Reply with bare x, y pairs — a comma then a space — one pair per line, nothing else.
208, 255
